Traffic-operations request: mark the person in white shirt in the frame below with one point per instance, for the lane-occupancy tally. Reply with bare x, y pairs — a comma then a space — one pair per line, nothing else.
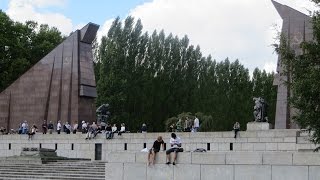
75, 127
68, 128
59, 127
122, 129
25, 127
175, 143
84, 127
196, 124
114, 128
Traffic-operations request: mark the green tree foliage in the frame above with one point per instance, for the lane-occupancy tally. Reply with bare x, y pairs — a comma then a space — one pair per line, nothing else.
148, 78
23, 45
305, 79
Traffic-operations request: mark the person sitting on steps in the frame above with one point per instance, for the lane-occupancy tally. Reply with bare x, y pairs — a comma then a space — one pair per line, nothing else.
175, 143
32, 131
236, 128
155, 148
122, 129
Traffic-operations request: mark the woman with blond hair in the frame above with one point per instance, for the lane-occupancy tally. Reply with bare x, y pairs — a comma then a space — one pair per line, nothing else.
155, 148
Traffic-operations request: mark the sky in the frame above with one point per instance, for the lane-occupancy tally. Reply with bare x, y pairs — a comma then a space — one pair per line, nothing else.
234, 29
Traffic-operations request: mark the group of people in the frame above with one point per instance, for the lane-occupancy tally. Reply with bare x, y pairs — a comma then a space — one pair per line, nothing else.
110, 131
91, 130
189, 125
175, 144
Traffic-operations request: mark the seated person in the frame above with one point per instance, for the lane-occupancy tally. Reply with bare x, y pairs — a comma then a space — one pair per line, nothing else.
90, 132
175, 143
109, 133
122, 129
155, 148
114, 129
32, 131
236, 128
84, 127
67, 127
144, 128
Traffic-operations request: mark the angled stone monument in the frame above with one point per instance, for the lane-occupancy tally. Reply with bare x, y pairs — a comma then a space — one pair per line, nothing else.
296, 27
61, 86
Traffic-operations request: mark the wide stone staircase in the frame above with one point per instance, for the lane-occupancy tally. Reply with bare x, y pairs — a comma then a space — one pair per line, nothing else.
62, 170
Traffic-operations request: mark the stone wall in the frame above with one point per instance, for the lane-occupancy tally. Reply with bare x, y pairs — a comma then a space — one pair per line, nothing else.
75, 145
222, 166
133, 171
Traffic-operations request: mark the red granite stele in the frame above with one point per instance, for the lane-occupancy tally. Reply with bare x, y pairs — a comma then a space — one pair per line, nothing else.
61, 86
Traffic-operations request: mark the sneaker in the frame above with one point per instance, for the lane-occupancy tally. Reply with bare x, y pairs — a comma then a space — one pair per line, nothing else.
168, 163
173, 163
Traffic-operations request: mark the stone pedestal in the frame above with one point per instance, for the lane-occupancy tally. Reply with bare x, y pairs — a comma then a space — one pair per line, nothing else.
257, 126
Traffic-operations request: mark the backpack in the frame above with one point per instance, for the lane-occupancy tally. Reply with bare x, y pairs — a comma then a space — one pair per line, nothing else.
200, 150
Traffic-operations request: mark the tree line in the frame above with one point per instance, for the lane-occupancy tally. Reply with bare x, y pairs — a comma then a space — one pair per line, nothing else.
149, 78
22, 45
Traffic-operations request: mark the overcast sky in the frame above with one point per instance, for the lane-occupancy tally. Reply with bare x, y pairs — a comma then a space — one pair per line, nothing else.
237, 29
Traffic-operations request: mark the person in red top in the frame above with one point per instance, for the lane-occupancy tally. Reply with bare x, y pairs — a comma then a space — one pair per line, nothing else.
155, 148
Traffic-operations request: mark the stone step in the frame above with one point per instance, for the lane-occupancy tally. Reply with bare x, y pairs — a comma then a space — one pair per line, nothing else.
55, 168
269, 133
54, 165
88, 174
5, 170
41, 177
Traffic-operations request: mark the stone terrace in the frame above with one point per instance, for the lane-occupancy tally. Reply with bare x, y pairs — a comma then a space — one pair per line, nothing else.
269, 155
75, 145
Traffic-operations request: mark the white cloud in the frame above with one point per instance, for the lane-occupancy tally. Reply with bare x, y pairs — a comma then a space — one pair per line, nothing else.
24, 10
103, 31
270, 66
242, 29
37, 3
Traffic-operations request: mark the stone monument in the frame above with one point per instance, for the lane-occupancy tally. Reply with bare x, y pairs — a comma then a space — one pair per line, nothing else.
296, 27
260, 110
260, 116
103, 113
61, 86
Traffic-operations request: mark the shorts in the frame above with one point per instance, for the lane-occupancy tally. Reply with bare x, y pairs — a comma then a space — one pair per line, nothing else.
174, 150
153, 149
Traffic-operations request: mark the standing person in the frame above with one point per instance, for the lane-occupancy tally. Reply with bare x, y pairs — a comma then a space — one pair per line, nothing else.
179, 125
155, 148
186, 126
175, 143
44, 127
50, 127
75, 127
59, 126
94, 129
196, 124
236, 128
